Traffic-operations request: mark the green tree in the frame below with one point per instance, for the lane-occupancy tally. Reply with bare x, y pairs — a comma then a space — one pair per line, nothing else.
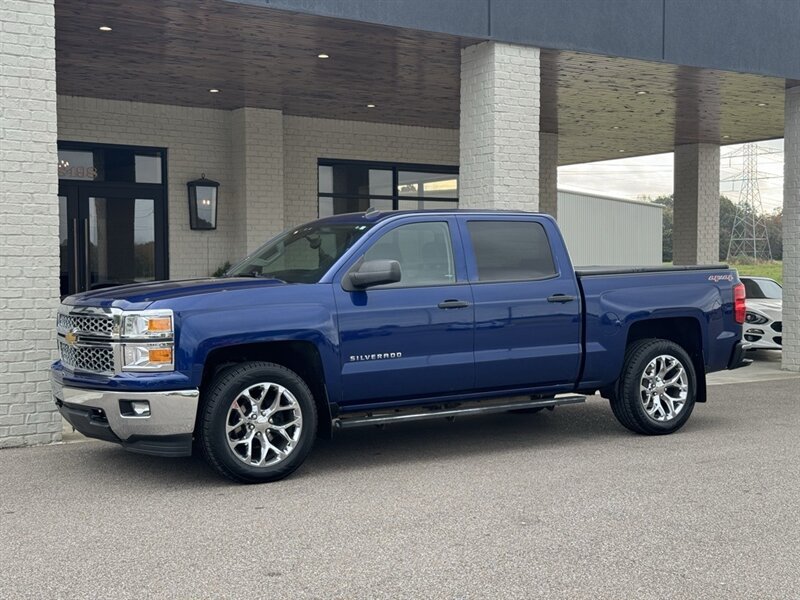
774, 223
666, 234
727, 215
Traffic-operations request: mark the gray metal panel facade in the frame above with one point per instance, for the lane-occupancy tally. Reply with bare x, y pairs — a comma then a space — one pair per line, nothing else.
752, 36
757, 36
603, 231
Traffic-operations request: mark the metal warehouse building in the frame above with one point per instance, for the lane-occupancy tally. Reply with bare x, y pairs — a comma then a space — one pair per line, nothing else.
606, 231
300, 108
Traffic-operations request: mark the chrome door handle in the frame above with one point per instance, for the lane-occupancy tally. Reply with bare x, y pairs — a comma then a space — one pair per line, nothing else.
453, 304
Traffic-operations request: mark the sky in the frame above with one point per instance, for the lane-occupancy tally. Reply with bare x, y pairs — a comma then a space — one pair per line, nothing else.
646, 177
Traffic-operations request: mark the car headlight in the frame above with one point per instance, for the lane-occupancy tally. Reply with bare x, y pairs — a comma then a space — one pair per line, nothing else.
148, 324
148, 357
755, 319
148, 340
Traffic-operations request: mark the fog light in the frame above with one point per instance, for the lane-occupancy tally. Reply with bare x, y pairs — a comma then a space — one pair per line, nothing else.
134, 408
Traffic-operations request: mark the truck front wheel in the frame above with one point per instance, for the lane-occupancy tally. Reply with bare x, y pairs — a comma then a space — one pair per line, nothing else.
656, 391
258, 422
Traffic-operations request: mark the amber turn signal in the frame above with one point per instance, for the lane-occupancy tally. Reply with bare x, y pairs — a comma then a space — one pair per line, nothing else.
160, 355
159, 324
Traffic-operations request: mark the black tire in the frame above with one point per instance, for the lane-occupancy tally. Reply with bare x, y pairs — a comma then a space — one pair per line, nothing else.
626, 401
214, 416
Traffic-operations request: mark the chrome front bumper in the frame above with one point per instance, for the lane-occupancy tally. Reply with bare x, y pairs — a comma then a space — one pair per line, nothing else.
172, 413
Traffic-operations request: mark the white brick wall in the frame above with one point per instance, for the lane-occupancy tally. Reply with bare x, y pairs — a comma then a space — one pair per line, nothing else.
696, 213
791, 232
28, 222
307, 139
257, 159
198, 140
499, 152
548, 173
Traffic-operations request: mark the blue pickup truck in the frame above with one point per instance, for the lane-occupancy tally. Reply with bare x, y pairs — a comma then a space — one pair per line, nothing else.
383, 317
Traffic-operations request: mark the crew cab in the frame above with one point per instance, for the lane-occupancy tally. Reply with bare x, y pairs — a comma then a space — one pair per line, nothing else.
382, 317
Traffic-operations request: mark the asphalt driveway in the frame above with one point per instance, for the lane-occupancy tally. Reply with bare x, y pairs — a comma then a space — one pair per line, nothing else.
558, 505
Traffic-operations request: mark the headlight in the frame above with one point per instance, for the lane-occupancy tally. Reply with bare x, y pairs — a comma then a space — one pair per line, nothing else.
755, 319
148, 357
152, 324
148, 340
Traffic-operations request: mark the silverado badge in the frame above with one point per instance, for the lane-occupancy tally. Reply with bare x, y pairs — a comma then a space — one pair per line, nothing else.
71, 337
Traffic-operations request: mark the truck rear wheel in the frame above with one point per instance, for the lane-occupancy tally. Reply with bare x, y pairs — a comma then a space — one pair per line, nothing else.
656, 391
258, 422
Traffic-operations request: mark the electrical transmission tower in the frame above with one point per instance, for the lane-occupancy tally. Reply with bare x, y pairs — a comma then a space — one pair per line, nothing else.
749, 233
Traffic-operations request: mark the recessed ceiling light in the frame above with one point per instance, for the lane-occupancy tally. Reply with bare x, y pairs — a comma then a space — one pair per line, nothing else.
214, 91
641, 93
104, 28
615, 127
725, 137
761, 104
370, 105
621, 150
323, 55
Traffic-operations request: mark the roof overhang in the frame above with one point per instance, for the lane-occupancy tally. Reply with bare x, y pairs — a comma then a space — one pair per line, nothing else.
175, 51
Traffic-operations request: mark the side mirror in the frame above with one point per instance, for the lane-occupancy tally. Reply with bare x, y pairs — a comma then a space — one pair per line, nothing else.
371, 273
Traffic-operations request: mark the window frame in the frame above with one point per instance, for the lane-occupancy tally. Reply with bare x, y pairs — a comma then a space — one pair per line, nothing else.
395, 168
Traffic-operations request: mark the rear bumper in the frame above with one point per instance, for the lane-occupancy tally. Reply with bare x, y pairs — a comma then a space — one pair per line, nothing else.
737, 359
101, 414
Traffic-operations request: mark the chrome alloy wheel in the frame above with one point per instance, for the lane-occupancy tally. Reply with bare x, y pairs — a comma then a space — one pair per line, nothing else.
664, 388
264, 424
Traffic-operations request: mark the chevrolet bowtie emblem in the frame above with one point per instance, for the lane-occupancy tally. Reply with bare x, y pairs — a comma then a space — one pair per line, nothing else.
71, 337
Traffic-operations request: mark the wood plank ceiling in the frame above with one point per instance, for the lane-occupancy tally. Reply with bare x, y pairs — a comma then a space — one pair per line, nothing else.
174, 51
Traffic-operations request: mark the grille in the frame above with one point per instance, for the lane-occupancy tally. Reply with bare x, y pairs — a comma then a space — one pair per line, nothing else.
102, 325
778, 326
95, 359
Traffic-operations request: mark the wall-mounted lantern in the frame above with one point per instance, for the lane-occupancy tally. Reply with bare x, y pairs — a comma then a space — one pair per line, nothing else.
203, 203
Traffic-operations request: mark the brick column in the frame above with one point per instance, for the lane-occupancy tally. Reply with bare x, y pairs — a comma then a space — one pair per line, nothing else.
29, 226
696, 217
791, 232
548, 173
257, 156
499, 133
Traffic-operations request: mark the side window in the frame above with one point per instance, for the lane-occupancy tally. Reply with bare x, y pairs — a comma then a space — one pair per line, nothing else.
511, 250
423, 250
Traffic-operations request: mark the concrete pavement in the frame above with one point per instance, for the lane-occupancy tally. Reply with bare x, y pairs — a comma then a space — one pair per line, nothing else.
554, 505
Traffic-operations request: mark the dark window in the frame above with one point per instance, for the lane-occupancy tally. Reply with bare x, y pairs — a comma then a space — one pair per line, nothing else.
762, 289
350, 186
511, 250
423, 251
113, 164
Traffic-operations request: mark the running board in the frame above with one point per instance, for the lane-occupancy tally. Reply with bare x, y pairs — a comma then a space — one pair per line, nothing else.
450, 410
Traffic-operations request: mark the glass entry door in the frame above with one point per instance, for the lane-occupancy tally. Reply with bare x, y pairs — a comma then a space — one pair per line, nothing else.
110, 235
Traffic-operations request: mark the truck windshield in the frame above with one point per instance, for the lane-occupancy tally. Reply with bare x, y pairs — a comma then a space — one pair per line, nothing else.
301, 255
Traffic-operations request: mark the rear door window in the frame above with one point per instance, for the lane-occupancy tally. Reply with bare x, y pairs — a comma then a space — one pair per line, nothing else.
511, 250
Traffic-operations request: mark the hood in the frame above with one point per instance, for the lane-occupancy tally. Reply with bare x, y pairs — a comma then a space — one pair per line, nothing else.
138, 296
767, 306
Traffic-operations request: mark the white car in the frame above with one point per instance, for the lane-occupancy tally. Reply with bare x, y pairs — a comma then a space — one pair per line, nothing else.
763, 328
